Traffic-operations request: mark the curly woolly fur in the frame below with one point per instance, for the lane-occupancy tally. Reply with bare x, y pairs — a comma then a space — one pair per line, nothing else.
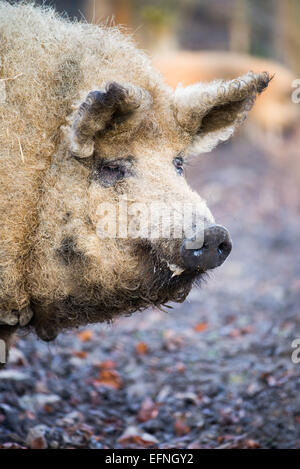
52, 263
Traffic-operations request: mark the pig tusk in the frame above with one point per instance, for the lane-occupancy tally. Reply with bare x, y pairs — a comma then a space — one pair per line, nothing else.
175, 269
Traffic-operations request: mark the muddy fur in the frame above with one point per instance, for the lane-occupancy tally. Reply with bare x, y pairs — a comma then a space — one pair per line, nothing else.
77, 96
104, 305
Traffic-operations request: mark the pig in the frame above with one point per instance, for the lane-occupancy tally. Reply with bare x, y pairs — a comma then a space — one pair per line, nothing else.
86, 122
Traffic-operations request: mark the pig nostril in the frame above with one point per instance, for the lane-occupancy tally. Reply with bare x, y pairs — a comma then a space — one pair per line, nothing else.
223, 247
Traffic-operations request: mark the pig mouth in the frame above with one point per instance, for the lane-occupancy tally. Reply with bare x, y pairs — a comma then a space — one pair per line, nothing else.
178, 281
169, 272
175, 269
168, 281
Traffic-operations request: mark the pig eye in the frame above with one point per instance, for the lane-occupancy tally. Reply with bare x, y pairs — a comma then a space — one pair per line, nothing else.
178, 163
109, 173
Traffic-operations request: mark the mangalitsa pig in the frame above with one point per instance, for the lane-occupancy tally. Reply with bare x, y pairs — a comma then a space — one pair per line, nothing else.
86, 125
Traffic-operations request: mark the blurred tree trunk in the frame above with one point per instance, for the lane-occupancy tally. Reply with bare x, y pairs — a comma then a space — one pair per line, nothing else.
123, 12
99, 10
287, 33
240, 27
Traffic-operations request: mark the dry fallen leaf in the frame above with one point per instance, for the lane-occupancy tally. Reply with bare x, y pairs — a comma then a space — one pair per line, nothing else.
48, 408
38, 443
268, 379
238, 332
79, 354
148, 410
141, 348
180, 367
252, 444
201, 327
86, 335
171, 341
10, 445
133, 437
30, 415
36, 439
108, 376
180, 427
107, 365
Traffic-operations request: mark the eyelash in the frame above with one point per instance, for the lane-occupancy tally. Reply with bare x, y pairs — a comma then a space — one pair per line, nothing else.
114, 169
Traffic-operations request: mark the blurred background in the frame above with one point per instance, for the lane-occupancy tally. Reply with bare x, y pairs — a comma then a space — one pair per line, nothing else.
267, 29
194, 40
216, 371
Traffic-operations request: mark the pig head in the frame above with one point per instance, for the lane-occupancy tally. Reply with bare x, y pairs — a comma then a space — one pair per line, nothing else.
120, 163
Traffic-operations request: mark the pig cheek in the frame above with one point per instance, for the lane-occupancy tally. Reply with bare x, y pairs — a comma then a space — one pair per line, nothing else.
101, 202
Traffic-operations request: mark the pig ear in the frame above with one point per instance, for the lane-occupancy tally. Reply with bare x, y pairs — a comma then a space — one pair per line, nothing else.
210, 112
105, 110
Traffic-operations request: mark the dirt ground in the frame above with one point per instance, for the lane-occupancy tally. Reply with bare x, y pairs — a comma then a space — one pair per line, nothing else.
214, 372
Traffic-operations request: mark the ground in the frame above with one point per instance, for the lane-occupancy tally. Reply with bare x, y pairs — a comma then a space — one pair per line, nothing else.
214, 372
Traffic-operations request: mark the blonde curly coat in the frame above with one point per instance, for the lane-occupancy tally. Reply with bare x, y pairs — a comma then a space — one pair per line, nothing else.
48, 67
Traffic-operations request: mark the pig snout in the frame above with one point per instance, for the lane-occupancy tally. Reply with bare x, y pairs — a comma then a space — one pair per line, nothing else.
215, 249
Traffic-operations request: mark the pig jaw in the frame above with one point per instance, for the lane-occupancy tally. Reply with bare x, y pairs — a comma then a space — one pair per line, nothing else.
52, 318
162, 279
